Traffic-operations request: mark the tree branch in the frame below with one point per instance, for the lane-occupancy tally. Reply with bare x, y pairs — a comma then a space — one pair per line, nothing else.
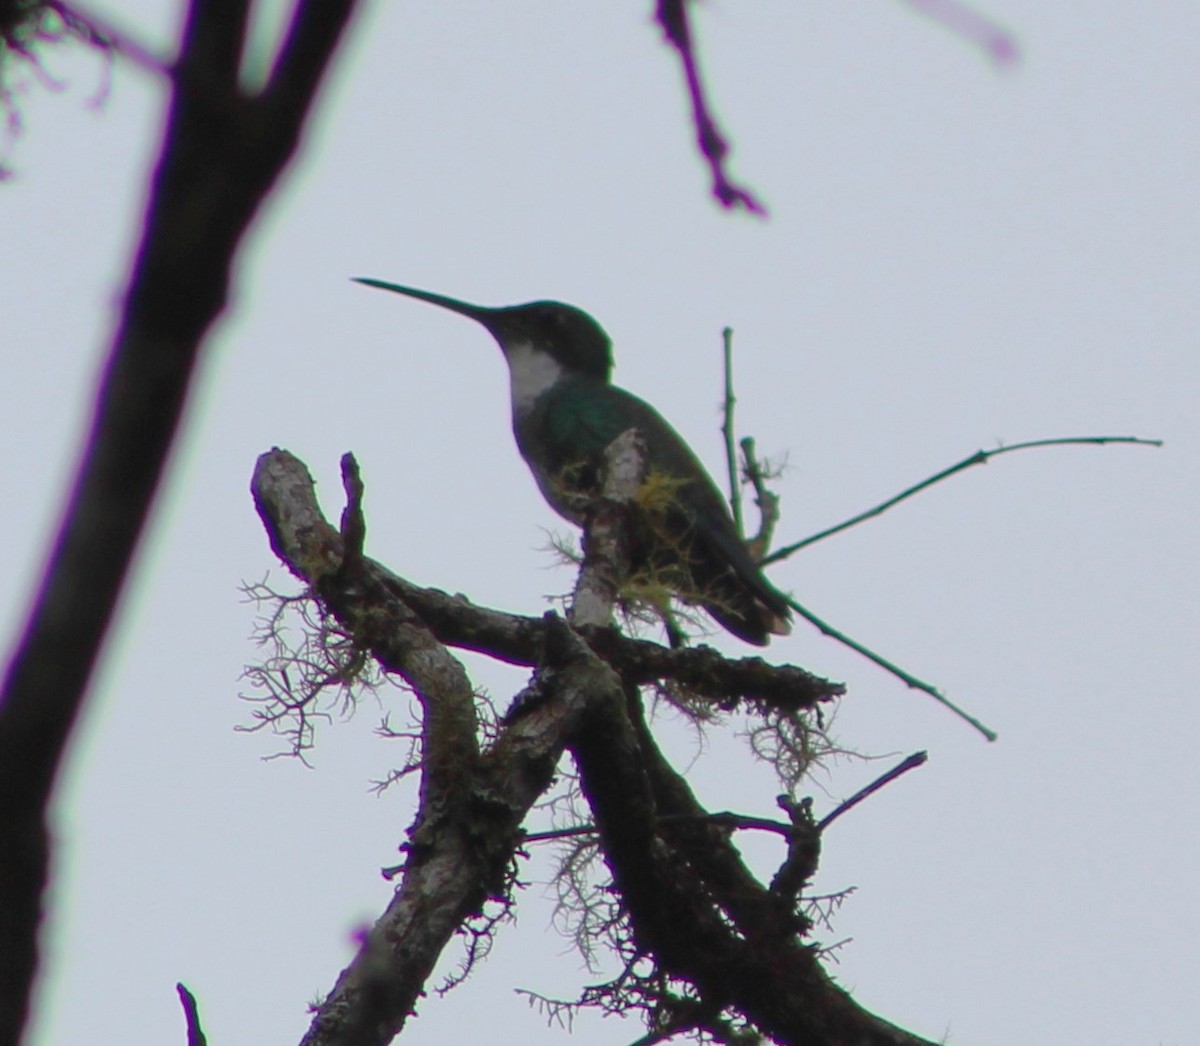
217, 166
310, 547
471, 806
456, 860
696, 910
680, 912
980, 457
673, 17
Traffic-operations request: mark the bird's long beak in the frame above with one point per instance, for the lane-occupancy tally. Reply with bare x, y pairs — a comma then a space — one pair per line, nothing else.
480, 313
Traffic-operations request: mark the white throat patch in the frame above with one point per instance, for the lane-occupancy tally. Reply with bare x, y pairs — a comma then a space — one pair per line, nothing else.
530, 374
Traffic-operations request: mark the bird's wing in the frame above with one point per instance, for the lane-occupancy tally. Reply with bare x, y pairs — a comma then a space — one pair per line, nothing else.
582, 418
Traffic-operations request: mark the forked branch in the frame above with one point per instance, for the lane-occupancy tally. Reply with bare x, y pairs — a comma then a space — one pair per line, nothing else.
695, 910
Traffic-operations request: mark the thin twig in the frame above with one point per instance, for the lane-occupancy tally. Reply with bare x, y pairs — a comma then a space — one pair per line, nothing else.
765, 498
744, 822
120, 40
721, 819
558, 833
980, 457
989, 36
734, 822
911, 763
728, 431
672, 16
888, 666
191, 1012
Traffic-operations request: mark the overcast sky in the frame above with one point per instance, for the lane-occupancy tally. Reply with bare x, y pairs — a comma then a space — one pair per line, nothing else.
956, 256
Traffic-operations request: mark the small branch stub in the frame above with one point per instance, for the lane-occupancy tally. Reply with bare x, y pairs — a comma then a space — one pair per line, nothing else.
605, 538
354, 524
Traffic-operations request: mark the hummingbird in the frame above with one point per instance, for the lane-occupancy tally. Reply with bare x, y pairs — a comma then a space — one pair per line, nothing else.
566, 411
